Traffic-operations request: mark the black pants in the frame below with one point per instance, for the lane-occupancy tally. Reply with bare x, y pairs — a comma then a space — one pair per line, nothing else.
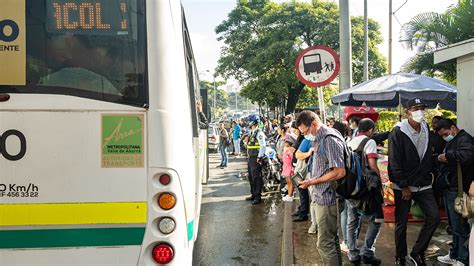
255, 177
303, 209
427, 202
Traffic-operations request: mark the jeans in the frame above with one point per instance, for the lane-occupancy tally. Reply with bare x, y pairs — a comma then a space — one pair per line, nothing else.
328, 241
224, 158
428, 204
344, 221
236, 146
460, 228
354, 224
303, 209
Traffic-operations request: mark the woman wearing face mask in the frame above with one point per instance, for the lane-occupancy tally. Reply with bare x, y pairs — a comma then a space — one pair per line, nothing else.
459, 149
354, 125
410, 171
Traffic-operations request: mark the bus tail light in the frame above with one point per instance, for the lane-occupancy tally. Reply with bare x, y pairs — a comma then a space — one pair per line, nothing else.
163, 253
213, 139
166, 201
165, 179
166, 225
4, 97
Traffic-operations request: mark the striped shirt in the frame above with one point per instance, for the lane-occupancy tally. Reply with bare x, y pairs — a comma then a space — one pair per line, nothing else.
324, 194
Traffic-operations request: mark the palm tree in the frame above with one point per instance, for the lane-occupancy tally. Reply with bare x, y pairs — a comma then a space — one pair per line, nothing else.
427, 32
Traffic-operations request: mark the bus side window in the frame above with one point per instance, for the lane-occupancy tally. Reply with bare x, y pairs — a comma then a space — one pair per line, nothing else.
191, 79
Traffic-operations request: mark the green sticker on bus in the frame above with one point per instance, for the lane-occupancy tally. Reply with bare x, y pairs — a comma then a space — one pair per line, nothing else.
122, 141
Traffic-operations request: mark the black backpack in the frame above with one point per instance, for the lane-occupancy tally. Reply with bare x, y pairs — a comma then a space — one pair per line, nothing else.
352, 185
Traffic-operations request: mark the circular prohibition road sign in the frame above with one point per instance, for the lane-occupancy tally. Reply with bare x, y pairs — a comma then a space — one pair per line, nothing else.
317, 65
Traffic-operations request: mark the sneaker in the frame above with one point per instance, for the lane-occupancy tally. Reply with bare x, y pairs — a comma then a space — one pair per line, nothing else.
371, 260
417, 259
344, 247
400, 261
313, 229
446, 259
287, 198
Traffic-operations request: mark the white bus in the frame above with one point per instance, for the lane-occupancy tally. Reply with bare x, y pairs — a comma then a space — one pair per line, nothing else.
101, 156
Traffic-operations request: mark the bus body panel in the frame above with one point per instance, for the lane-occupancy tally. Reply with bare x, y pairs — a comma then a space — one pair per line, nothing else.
61, 155
58, 195
126, 255
171, 145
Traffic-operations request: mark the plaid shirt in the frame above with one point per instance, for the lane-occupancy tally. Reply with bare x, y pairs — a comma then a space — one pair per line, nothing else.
324, 194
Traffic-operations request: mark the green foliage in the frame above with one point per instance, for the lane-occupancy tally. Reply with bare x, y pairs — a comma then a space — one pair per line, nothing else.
387, 120
427, 32
262, 40
309, 96
448, 114
222, 97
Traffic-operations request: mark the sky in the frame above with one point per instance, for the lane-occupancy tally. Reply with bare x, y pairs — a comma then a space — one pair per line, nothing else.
204, 15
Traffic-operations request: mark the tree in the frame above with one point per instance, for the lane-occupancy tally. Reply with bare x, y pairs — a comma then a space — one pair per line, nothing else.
262, 40
222, 98
427, 32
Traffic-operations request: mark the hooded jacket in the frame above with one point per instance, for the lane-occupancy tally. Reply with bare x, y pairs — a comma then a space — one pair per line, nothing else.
404, 165
460, 149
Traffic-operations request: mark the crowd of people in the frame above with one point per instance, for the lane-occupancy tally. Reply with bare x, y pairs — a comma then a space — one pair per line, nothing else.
428, 167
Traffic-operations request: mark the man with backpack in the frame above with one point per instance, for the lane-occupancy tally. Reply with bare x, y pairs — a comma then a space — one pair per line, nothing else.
327, 167
367, 150
410, 171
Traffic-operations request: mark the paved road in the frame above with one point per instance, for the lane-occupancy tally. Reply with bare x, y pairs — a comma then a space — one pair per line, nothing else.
231, 230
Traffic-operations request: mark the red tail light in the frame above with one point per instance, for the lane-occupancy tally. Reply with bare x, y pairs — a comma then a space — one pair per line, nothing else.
165, 179
4, 97
213, 138
163, 253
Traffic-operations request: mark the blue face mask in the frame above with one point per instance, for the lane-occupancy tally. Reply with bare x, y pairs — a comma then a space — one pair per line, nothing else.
448, 138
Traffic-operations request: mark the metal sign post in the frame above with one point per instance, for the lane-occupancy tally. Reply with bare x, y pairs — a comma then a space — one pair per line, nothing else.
322, 110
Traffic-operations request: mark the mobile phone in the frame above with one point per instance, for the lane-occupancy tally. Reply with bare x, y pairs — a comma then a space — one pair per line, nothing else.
298, 178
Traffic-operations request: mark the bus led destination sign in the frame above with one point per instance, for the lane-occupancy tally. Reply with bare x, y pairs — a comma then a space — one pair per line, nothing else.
93, 17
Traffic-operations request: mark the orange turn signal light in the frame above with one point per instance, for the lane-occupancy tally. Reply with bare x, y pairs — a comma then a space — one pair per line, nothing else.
166, 201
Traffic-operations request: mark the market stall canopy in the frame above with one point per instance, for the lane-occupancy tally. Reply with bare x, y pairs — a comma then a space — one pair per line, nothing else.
395, 89
360, 111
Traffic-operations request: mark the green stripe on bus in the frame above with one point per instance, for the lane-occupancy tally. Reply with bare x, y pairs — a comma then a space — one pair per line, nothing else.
50, 238
190, 230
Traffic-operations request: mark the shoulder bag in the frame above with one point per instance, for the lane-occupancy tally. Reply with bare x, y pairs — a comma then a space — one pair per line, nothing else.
463, 204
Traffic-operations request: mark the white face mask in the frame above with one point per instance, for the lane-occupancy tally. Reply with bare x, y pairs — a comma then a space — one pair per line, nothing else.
310, 137
418, 116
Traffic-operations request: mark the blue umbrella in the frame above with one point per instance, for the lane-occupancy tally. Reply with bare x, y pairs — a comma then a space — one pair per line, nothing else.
395, 89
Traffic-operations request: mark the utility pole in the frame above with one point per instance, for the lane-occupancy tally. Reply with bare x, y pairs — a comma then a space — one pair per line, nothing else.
214, 102
345, 45
366, 43
390, 37
235, 86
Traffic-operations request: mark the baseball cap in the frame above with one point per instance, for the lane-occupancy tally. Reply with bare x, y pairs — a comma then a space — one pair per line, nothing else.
416, 102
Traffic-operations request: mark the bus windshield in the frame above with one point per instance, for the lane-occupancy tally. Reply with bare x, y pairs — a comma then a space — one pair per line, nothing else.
92, 49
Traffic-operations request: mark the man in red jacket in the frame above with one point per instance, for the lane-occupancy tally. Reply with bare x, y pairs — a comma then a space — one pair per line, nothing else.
409, 170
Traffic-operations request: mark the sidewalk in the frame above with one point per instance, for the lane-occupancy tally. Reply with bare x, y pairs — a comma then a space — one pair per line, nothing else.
303, 245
